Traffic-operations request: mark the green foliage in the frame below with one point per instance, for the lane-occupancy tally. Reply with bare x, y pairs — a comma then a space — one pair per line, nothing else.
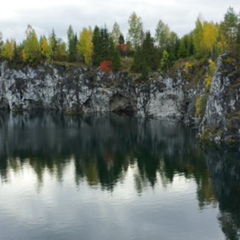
53, 44
8, 50
165, 61
144, 70
97, 56
46, 50
116, 33
230, 29
207, 40
103, 46
201, 103
198, 38
209, 76
72, 45
121, 39
186, 46
162, 35
31, 48
1, 44
116, 59
60, 53
137, 60
146, 57
135, 30
150, 52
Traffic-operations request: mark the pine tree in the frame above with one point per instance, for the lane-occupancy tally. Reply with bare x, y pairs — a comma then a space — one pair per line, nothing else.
150, 52
96, 46
137, 60
72, 45
53, 44
116, 59
121, 39
60, 51
186, 46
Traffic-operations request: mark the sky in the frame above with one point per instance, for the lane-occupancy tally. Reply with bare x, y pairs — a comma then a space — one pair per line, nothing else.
45, 15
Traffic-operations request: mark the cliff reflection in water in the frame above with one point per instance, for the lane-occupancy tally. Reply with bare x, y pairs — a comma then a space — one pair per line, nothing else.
103, 148
224, 166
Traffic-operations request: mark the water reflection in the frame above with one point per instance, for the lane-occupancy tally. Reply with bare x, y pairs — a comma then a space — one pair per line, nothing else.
224, 167
102, 150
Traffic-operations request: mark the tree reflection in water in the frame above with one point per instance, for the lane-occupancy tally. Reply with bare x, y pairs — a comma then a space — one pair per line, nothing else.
102, 149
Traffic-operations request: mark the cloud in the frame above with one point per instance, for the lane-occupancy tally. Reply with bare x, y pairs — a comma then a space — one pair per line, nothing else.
58, 15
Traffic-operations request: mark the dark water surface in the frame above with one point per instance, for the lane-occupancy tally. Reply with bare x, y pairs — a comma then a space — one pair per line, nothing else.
114, 177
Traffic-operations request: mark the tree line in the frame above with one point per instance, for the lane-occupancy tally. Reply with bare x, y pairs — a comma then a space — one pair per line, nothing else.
96, 46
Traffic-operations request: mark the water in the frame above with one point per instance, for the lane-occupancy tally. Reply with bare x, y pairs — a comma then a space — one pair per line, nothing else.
114, 177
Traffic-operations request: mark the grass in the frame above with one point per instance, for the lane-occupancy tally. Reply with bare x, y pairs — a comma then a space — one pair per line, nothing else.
126, 63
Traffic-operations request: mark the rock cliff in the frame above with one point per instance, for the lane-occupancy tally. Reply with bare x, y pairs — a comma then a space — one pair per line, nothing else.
80, 90
221, 121
85, 90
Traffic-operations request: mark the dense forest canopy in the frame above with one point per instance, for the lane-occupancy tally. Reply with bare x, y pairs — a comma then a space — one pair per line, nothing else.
100, 47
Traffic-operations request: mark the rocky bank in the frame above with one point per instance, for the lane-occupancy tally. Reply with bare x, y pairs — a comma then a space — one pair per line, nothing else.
85, 90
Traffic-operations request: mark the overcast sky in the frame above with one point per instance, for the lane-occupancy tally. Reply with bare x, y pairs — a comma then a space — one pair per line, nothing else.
45, 15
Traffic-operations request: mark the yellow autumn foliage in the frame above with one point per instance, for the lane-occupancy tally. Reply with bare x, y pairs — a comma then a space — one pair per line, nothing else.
198, 106
85, 45
209, 76
8, 50
187, 67
210, 34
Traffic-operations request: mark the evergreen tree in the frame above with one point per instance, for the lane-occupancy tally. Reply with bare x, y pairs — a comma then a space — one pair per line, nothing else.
144, 70
60, 50
173, 46
186, 46
238, 42
96, 46
137, 60
53, 44
121, 39
150, 52
116, 59
18, 60
230, 25
72, 45
103, 46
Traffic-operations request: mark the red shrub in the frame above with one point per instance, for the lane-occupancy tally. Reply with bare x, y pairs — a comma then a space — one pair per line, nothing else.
106, 66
